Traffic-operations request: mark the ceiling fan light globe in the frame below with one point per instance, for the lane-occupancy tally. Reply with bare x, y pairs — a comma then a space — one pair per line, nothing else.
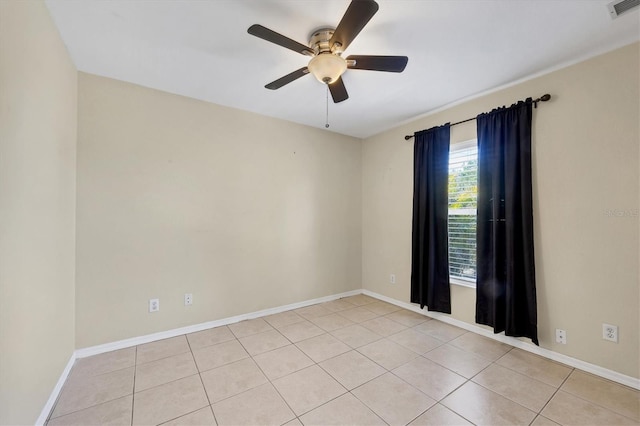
327, 68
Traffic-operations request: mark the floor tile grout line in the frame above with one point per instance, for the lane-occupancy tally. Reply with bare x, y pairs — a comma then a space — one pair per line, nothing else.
198, 370
220, 327
306, 338
87, 408
71, 379
276, 389
49, 417
519, 373
55, 404
419, 353
252, 334
340, 396
536, 418
494, 362
361, 384
444, 366
556, 392
185, 414
273, 349
171, 381
414, 419
388, 370
277, 327
231, 396
346, 391
455, 412
133, 396
362, 402
588, 400
500, 395
432, 397
467, 380
534, 378
162, 358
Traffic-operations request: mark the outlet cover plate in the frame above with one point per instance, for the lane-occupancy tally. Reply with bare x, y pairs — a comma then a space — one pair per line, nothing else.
154, 305
610, 332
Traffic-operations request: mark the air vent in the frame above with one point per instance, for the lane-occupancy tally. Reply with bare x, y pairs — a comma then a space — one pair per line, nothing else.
620, 7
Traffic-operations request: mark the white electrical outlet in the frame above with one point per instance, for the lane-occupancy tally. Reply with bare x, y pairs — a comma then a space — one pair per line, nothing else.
392, 278
188, 299
561, 336
154, 305
610, 332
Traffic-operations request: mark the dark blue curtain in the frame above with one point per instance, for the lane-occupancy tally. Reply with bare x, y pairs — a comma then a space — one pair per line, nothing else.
430, 246
506, 284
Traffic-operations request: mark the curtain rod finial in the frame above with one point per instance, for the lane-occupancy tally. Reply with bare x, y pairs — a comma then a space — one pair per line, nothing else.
543, 98
407, 137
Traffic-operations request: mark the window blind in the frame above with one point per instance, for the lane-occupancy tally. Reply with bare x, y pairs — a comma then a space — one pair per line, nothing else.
463, 191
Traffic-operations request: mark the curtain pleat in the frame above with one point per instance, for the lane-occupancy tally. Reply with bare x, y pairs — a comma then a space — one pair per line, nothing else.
506, 288
430, 246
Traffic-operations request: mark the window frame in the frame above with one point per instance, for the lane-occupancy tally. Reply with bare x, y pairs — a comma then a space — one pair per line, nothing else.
463, 282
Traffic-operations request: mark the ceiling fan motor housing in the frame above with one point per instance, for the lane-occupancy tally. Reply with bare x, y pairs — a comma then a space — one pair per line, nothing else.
319, 41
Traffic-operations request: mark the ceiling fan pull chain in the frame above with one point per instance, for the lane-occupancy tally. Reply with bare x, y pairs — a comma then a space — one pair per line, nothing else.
327, 120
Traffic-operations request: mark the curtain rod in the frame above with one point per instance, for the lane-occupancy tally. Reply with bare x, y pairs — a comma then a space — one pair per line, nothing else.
543, 98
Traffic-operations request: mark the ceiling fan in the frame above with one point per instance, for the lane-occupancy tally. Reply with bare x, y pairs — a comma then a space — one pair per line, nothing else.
326, 46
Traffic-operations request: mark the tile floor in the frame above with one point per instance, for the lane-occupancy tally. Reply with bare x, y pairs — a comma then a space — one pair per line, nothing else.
351, 361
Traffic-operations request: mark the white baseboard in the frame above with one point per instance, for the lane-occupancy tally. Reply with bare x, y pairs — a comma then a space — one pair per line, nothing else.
126, 343
44, 414
134, 341
597, 370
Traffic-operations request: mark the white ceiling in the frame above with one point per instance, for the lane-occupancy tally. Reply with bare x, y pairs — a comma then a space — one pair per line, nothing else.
456, 49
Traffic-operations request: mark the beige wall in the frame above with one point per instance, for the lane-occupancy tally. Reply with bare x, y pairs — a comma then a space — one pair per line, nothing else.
38, 113
180, 196
586, 151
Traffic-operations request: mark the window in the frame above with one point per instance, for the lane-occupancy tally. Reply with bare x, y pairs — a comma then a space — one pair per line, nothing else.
463, 194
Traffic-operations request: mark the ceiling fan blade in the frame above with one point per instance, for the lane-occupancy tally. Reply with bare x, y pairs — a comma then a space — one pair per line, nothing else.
355, 18
338, 91
274, 37
287, 78
378, 63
